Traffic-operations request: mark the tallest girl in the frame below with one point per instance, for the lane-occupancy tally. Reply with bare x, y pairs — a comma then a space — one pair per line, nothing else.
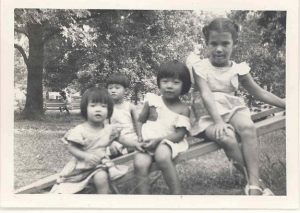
227, 120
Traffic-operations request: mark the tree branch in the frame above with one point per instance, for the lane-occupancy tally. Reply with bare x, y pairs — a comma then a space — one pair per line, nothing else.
21, 50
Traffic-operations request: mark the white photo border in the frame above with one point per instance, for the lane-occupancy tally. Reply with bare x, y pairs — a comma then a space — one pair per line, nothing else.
290, 201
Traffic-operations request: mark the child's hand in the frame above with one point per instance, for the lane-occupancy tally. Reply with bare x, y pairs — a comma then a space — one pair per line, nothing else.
92, 159
222, 129
151, 144
115, 133
139, 147
115, 149
140, 139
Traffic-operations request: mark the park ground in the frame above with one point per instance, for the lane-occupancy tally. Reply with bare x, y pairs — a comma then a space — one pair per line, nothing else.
38, 152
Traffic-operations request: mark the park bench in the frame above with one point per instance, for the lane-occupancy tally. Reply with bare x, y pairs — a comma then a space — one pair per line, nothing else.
57, 104
265, 122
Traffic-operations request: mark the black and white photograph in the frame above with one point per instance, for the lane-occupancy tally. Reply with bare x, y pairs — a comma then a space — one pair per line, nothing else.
178, 106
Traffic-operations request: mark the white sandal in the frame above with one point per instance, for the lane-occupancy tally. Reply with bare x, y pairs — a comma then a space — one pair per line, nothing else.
264, 192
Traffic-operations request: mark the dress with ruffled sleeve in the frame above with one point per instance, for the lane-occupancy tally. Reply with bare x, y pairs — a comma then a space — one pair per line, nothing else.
223, 82
165, 124
76, 173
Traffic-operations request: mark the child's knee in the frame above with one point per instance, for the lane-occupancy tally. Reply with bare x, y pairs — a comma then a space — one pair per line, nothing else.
228, 139
163, 154
141, 163
246, 129
101, 178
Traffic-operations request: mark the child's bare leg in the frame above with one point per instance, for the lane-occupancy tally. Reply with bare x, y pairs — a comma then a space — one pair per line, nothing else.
101, 182
246, 130
142, 163
229, 143
163, 158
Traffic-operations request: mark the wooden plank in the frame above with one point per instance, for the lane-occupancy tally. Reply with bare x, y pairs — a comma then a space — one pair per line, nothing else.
38, 185
196, 150
265, 113
270, 125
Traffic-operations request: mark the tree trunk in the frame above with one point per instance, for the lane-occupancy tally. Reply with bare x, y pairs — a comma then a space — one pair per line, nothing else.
34, 98
136, 92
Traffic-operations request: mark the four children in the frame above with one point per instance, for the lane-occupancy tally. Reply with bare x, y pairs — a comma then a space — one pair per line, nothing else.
158, 133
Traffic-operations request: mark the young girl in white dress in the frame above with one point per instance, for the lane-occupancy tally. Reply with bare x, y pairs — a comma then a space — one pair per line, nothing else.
217, 78
165, 124
87, 142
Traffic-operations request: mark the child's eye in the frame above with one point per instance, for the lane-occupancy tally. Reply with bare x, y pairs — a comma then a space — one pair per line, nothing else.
225, 44
104, 105
213, 43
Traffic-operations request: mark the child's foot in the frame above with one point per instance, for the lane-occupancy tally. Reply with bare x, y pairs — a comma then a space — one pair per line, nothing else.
256, 190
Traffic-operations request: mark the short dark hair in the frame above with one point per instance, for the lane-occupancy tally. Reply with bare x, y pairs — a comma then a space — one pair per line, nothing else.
118, 78
175, 69
221, 25
96, 95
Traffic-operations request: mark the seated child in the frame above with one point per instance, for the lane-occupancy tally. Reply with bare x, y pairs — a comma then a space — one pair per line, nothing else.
124, 117
166, 123
87, 142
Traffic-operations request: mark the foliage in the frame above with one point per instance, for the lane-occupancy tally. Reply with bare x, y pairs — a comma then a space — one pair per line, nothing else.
262, 45
81, 48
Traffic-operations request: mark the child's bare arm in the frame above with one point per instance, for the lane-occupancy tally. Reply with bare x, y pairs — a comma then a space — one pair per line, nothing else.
143, 117
82, 155
136, 124
254, 89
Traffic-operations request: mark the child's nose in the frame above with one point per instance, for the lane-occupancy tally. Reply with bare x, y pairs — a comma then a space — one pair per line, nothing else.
169, 85
219, 48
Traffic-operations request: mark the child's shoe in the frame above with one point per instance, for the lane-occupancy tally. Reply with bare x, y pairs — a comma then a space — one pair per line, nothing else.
264, 192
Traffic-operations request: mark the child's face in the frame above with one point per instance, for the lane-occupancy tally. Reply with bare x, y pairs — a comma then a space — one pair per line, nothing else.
170, 88
116, 91
220, 45
96, 112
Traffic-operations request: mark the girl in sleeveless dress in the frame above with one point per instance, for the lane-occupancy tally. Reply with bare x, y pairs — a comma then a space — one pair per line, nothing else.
165, 124
226, 116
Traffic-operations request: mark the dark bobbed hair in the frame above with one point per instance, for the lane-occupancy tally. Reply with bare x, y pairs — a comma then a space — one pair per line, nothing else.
221, 25
96, 95
118, 78
175, 69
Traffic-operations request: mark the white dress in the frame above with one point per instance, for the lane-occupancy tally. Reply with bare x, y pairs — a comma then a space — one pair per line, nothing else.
223, 82
166, 124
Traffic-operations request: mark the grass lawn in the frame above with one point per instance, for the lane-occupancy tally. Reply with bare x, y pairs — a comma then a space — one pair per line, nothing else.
38, 152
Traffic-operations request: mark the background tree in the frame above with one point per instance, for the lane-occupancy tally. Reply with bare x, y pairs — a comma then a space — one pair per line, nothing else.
81, 48
39, 26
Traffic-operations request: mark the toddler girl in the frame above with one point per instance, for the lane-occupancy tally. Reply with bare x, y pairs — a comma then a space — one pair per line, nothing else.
165, 122
87, 142
217, 79
124, 117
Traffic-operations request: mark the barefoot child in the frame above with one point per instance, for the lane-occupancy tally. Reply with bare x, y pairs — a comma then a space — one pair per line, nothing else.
87, 142
217, 79
165, 122
124, 117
